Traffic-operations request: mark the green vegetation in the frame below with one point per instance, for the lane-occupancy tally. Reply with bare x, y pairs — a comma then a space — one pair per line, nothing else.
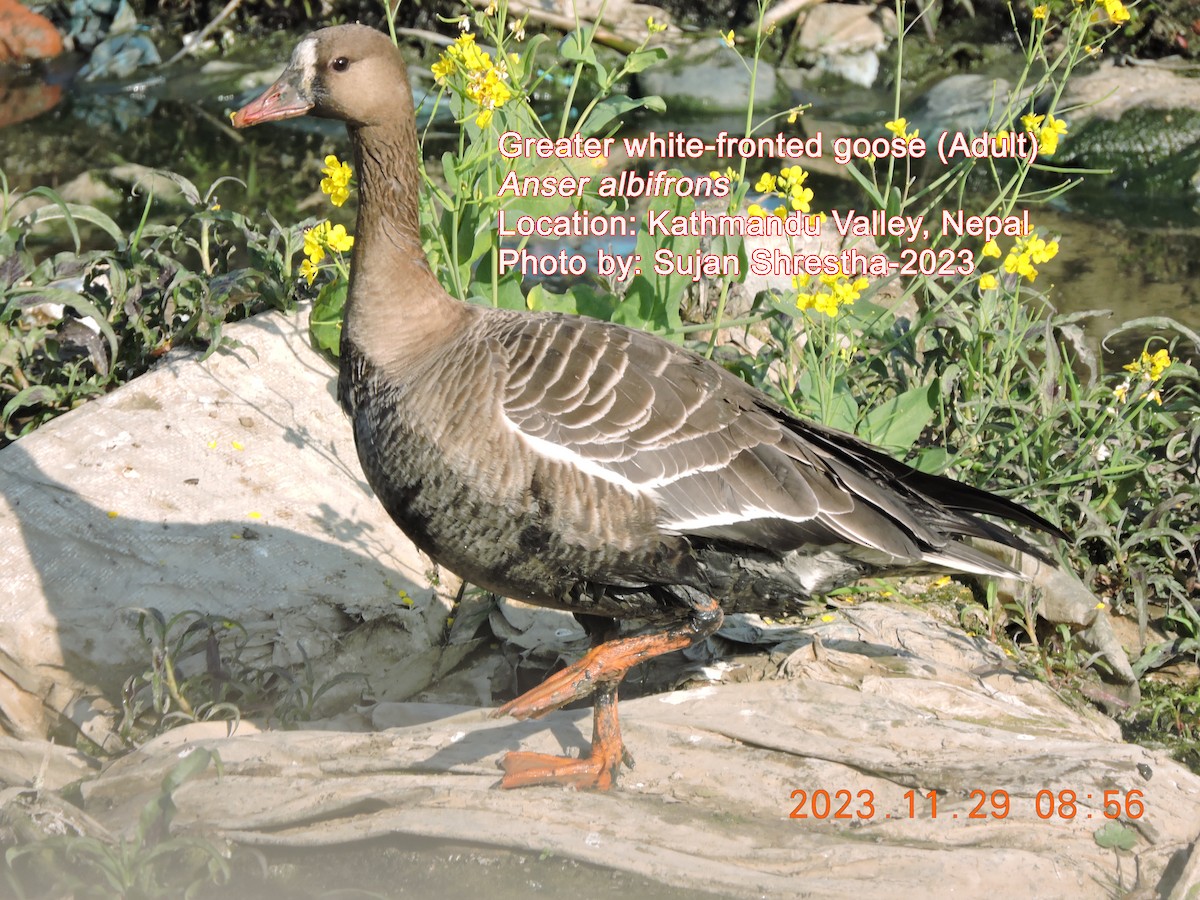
134, 298
177, 688
151, 863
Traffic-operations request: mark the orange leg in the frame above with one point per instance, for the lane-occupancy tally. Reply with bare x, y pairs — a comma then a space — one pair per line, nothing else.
600, 671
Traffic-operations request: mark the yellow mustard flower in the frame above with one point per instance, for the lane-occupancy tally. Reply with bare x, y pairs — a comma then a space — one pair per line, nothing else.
339, 240
991, 248
1027, 251
1116, 11
655, 27
1032, 122
1040, 12
800, 198
728, 38
1048, 135
766, 182
443, 69
988, 282
314, 244
309, 270
899, 127
337, 178
831, 293
318, 239
1150, 366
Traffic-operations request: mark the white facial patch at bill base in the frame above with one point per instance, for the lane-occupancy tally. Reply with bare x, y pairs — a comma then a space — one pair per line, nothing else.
304, 59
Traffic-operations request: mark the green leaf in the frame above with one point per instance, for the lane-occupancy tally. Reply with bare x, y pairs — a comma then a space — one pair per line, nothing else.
34, 395
71, 213
576, 48
508, 290
896, 424
325, 323
608, 109
1115, 836
449, 172
640, 60
652, 300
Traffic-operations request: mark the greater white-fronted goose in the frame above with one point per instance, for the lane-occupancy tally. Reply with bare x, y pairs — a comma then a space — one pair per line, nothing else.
583, 465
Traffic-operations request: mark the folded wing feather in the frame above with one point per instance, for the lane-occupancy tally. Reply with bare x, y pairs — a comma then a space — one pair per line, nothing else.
719, 460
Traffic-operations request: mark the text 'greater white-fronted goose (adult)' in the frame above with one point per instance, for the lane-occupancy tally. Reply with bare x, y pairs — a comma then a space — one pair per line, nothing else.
582, 465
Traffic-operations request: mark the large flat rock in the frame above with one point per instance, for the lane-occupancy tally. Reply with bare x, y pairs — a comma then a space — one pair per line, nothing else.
867, 715
228, 485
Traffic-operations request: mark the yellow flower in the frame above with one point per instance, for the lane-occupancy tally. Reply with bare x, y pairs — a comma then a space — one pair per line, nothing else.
841, 292
1039, 12
766, 182
655, 27
899, 127
488, 89
338, 239
988, 282
800, 198
991, 248
1117, 13
443, 68
472, 58
792, 177
755, 210
1032, 122
314, 243
1048, 135
320, 238
1155, 396
728, 38
308, 271
337, 177
1121, 392
1042, 251
1150, 366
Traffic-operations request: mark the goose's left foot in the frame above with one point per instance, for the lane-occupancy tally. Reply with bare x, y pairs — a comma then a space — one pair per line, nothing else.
594, 772
599, 672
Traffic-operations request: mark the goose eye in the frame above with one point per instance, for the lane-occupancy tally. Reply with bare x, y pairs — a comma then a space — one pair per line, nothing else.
341, 64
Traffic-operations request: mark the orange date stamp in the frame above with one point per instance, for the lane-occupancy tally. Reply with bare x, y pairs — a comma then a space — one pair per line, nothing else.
1064, 804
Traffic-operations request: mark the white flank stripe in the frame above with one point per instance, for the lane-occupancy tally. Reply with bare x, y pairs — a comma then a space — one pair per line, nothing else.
559, 453
730, 517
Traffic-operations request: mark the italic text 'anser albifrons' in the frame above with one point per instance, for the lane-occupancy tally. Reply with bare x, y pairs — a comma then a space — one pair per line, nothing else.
583, 465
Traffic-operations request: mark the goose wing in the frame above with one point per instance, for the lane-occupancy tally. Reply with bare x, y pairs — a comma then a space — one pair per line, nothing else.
719, 459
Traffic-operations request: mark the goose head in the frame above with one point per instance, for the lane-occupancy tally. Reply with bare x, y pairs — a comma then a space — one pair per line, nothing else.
349, 72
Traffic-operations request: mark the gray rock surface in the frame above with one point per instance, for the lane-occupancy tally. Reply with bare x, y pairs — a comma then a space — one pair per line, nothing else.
874, 704
230, 486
